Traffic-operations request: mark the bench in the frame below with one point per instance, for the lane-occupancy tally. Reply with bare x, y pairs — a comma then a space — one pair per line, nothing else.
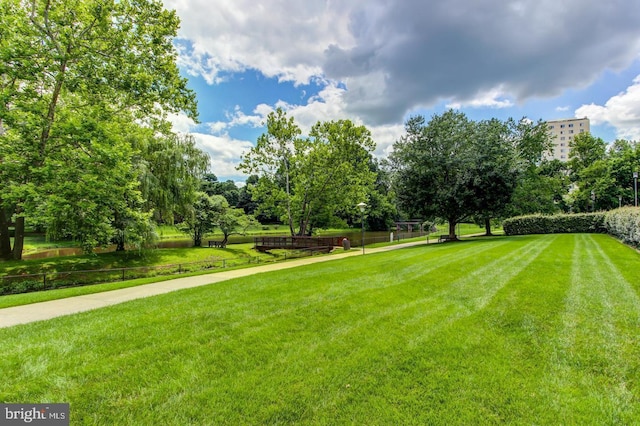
217, 244
445, 238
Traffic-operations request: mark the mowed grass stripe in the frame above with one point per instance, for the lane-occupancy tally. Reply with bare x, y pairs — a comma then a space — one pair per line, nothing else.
471, 292
344, 280
600, 334
443, 368
406, 337
130, 342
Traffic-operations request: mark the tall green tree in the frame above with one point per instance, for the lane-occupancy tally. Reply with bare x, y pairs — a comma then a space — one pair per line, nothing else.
603, 178
586, 149
588, 171
65, 62
542, 188
94, 196
245, 200
303, 178
333, 171
273, 160
171, 168
494, 170
432, 164
228, 189
624, 159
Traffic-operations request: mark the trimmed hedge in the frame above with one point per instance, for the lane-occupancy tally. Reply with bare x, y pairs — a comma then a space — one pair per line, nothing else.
624, 224
556, 224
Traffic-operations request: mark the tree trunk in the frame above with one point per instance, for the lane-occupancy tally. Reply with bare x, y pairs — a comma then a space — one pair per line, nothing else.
487, 227
289, 216
5, 239
452, 230
18, 239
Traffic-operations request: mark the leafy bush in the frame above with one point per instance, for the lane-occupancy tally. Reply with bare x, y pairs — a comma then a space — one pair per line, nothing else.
556, 224
24, 286
624, 224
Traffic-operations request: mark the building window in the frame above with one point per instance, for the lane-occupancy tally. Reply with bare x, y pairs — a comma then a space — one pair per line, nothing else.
562, 126
570, 125
562, 138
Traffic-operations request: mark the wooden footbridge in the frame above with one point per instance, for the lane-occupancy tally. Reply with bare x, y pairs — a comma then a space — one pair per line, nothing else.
322, 244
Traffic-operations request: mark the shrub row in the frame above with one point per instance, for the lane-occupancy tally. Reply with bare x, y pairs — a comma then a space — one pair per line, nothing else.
556, 224
624, 224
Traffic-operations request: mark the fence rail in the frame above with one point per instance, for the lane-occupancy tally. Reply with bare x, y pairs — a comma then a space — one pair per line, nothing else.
26, 283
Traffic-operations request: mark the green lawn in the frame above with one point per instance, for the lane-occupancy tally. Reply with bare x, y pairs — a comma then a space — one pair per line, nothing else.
130, 259
520, 330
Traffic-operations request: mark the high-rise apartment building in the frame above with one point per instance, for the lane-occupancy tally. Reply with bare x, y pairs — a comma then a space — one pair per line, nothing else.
562, 132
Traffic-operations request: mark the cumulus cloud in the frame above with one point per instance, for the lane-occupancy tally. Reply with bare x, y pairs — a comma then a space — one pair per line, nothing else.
495, 98
327, 105
239, 118
378, 61
397, 56
283, 39
225, 153
421, 53
621, 111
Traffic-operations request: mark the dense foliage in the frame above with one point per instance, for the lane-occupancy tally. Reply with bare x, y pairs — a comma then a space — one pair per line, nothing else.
624, 224
602, 175
555, 224
306, 181
456, 169
86, 152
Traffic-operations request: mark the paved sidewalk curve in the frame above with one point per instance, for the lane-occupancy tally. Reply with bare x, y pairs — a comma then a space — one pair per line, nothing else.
71, 305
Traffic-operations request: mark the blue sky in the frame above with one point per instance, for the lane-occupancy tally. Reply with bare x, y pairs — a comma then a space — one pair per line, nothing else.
378, 62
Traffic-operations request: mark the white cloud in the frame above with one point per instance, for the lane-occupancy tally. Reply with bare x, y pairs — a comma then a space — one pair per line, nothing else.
239, 118
562, 108
327, 105
621, 111
284, 39
494, 98
398, 56
385, 137
225, 153
181, 122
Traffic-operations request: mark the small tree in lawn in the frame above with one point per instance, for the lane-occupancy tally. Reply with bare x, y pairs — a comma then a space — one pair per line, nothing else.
234, 221
204, 217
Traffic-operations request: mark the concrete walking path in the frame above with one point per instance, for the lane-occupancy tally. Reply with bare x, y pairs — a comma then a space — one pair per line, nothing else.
55, 308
